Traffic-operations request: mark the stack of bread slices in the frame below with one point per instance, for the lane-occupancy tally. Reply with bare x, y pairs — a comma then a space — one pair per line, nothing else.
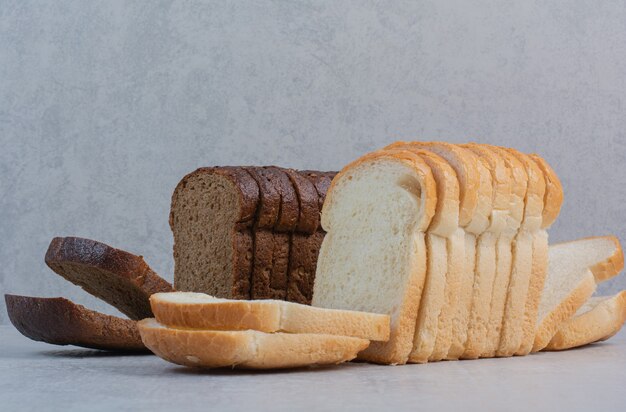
198, 330
451, 242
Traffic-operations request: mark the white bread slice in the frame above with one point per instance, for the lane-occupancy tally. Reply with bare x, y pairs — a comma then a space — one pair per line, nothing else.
475, 207
498, 236
200, 311
567, 287
247, 349
512, 324
598, 319
443, 268
552, 201
373, 257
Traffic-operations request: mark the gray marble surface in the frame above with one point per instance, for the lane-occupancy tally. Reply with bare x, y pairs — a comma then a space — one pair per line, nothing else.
105, 105
36, 376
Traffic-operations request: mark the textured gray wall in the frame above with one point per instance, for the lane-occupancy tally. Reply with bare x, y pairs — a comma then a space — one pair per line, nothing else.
104, 106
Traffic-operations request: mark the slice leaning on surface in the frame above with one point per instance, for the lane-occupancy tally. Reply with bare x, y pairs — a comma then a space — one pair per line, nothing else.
199, 311
598, 319
570, 282
373, 256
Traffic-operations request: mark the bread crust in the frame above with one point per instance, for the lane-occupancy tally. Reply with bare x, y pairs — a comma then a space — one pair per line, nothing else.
87, 263
598, 323
553, 196
289, 211
247, 349
308, 198
61, 322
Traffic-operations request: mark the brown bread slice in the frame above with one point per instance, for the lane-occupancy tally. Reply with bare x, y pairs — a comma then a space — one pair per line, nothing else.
212, 212
269, 197
289, 211
119, 278
322, 181
271, 260
309, 218
61, 322
302, 266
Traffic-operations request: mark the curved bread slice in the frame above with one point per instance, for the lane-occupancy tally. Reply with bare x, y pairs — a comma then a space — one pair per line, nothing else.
598, 319
61, 322
119, 278
247, 349
373, 256
529, 256
200, 311
552, 200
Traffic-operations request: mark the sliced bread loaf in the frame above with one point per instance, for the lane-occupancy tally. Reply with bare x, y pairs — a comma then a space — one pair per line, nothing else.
61, 322
119, 278
373, 256
199, 311
598, 319
247, 349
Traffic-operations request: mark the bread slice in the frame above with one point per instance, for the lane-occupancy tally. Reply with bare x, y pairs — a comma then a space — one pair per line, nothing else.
598, 319
444, 224
302, 266
211, 217
529, 257
199, 311
61, 322
373, 256
247, 349
497, 238
552, 200
474, 211
567, 287
119, 278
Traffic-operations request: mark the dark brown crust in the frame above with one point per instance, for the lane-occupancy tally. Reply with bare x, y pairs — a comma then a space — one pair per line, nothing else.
289, 204
302, 266
308, 198
269, 197
74, 256
62, 322
322, 181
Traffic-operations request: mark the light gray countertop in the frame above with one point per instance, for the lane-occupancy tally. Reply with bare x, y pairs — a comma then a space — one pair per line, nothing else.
37, 376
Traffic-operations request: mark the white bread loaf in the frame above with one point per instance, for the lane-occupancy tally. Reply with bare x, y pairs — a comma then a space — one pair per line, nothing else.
200, 311
598, 319
373, 256
247, 349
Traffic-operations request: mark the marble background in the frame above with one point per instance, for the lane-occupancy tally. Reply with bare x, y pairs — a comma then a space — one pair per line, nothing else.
105, 105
